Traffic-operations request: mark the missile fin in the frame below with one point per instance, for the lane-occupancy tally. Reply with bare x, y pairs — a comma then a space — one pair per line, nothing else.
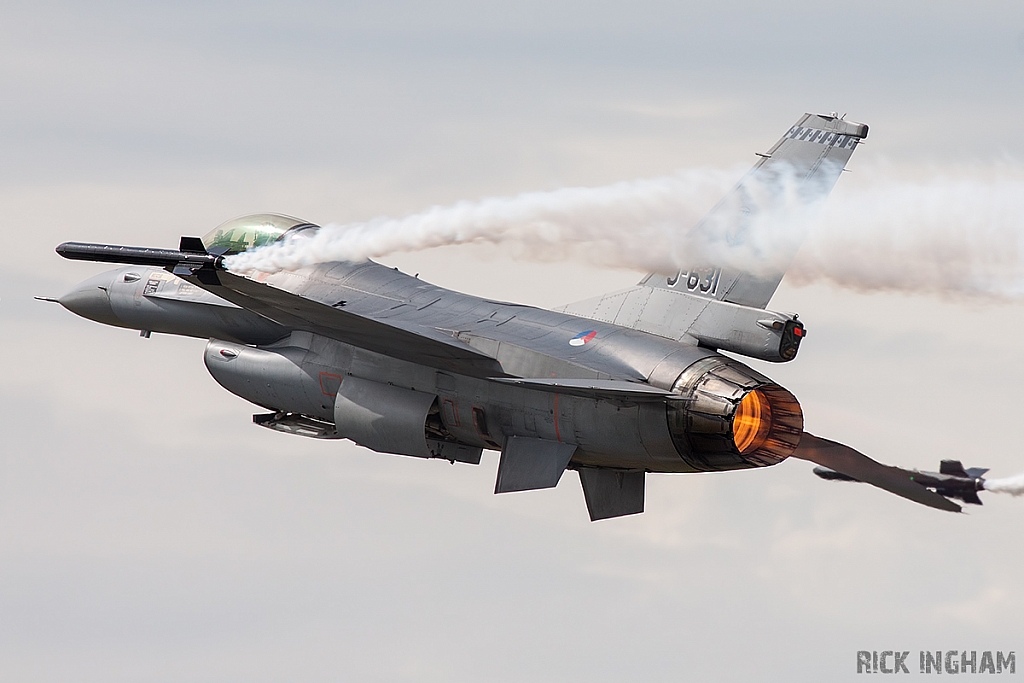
192, 245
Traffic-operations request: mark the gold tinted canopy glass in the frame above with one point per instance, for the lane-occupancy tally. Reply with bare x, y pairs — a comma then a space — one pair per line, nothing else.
248, 232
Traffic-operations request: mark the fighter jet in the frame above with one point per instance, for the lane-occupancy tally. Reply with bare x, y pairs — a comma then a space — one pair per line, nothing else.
615, 387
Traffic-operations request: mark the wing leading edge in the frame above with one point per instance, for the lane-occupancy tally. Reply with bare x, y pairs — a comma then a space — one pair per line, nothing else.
414, 343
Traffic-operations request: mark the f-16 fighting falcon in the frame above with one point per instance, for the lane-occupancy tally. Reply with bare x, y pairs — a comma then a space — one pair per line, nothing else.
615, 387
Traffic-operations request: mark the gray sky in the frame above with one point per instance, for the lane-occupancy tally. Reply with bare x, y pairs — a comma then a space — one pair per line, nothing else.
149, 532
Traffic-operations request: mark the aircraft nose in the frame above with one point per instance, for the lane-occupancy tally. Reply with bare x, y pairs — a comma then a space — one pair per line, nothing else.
91, 299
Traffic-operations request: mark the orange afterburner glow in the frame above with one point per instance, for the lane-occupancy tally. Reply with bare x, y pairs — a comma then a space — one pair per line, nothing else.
751, 422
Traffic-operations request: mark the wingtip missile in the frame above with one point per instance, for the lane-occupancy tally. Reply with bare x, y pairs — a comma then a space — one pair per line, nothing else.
191, 258
855, 466
951, 481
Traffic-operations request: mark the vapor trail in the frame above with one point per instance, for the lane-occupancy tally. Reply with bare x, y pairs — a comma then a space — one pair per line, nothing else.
955, 233
1013, 485
627, 225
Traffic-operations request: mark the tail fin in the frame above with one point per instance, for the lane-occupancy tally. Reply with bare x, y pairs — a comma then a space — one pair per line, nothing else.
720, 307
952, 467
813, 153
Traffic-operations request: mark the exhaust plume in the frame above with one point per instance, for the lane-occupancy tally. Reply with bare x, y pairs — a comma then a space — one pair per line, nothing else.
1013, 485
956, 233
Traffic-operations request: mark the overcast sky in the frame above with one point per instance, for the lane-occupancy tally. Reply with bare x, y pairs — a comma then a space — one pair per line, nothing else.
150, 532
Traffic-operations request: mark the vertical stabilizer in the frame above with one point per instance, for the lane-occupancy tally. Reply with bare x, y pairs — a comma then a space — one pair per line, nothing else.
811, 156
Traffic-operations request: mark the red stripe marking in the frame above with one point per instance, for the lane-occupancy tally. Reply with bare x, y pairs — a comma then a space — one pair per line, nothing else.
558, 437
324, 389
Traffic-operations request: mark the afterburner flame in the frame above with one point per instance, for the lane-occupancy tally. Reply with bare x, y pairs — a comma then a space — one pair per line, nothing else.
752, 422
732, 417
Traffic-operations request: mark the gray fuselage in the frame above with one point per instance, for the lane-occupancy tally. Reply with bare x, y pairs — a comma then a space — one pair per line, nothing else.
296, 372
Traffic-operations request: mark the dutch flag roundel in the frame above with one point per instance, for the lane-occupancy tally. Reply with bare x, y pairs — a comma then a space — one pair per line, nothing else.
582, 338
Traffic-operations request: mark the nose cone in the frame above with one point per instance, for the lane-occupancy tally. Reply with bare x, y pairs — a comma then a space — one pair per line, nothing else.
90, 299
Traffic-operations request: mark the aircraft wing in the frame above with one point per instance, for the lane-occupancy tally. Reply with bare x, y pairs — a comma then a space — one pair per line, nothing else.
853, 463
414, 343
191, 262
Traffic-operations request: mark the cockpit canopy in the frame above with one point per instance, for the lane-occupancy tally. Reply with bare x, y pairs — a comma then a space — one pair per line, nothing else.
248, 232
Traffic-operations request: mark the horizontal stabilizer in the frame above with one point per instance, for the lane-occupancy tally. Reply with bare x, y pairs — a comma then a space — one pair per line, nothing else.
612, 493
528, 463
854, 464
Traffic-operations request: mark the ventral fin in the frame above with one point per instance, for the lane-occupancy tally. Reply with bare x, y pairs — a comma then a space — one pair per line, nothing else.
528, 463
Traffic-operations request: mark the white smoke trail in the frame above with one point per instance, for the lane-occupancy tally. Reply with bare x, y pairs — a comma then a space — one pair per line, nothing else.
1013, 485
628, 224
958, 233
